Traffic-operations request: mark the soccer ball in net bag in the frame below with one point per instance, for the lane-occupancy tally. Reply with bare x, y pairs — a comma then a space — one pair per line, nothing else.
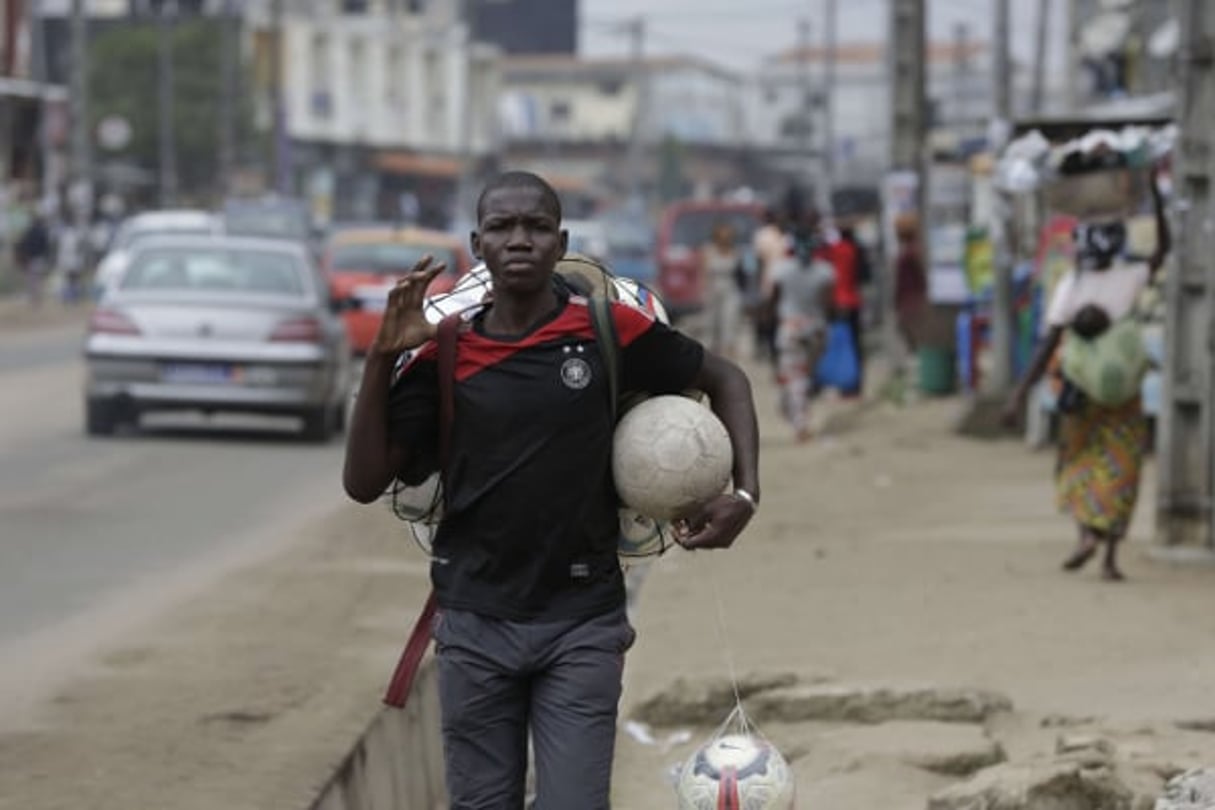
670, 456
738, 771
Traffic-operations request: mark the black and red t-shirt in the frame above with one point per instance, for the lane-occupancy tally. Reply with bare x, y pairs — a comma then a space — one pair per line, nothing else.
530, 519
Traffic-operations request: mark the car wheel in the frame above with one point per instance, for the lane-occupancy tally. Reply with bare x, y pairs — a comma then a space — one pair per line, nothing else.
100, 417
319, 424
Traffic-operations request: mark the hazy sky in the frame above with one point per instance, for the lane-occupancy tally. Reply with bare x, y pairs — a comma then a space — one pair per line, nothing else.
738, 33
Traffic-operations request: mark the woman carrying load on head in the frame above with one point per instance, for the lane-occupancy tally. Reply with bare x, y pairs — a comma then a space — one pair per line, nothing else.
1101, 446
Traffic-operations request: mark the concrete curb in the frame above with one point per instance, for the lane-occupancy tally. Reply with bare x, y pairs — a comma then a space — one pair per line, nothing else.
397, 764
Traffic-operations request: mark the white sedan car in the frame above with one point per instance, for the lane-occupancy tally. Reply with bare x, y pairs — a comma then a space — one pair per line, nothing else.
183, 222
218, 324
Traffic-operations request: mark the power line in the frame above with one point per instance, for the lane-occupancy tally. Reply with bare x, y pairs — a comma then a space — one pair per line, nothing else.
700, 14
701, 43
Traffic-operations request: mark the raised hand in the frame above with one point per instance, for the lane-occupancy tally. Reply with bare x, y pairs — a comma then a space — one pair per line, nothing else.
405, 326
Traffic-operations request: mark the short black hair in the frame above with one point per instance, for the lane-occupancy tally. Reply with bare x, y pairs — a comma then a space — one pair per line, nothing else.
519, 179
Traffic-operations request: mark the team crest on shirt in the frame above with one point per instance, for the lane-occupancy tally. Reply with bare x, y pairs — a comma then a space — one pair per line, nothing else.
575, 372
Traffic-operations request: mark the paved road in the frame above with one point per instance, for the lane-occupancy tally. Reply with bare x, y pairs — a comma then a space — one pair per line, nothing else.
85, 523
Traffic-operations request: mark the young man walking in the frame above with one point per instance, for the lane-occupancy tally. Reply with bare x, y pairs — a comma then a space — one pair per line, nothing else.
531, 630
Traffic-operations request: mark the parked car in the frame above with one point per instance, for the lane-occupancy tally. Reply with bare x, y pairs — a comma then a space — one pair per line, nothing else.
269, 217
217, 324
363, 265
630, 249
184, 222
684, 228
588, 237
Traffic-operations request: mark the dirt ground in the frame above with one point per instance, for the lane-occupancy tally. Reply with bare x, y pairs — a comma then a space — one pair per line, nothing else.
16, 315
888, 552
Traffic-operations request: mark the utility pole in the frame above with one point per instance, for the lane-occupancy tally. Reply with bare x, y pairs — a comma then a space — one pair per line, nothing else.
908, 126
1002, 69
38, 60
1187, 418
805, 88
1073, 54
1000, 378
961, 69
635, 29
831, 36
281, 158
166, 22
1038, 94
229, 56
82, 147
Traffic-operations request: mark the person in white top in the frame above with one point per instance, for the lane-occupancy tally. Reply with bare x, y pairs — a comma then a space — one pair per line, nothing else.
1101, 447
771, 246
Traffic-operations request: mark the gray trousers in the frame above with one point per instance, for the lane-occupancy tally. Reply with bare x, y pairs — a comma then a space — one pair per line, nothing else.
499, 679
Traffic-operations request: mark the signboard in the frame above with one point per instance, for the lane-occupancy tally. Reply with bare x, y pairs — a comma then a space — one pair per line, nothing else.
947, 251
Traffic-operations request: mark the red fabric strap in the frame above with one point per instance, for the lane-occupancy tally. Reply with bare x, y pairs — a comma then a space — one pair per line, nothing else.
419, 637
411, 657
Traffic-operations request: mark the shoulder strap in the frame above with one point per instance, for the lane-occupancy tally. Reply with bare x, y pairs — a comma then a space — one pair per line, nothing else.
406, 670
609, 347
447, 337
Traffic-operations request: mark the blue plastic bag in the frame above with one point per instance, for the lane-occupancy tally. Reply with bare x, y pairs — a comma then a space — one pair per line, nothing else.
839, 367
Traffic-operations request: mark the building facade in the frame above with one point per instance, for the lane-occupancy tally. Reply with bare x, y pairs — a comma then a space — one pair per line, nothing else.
596, 122
381, 100
785, 105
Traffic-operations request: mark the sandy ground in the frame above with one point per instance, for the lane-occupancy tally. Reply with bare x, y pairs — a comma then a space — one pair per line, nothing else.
16, 314
888, 551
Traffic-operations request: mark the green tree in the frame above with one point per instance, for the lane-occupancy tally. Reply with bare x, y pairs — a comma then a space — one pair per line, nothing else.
123, 81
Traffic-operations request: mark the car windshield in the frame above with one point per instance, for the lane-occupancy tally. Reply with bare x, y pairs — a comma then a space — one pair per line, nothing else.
267, 221
629, 238
386, 258
219, 270
693, 229
134, 237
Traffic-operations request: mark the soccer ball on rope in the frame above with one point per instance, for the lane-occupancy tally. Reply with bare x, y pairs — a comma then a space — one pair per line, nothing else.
738, 771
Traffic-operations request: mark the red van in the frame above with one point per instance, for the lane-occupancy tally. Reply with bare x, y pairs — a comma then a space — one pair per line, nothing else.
684, 228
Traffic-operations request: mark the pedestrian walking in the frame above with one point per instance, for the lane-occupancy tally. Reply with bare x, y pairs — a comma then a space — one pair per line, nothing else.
910, 283
724, 279
33, 256
804, 293
1101, 444
70, 260
531, 628
851, 271
771, 246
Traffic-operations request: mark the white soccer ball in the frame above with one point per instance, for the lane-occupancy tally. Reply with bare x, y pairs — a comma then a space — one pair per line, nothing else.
738, 771
641, 297
671, 455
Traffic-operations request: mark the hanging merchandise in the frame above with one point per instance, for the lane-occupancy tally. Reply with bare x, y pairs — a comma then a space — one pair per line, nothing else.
1100, 175
1031, 162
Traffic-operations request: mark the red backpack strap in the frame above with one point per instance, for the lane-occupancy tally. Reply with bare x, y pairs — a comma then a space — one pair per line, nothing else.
411, 657
419, 637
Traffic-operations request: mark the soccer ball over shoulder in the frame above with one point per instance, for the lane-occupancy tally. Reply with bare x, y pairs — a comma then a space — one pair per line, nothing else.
671, 454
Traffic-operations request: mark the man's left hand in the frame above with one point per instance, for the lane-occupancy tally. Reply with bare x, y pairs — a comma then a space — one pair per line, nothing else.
717, 525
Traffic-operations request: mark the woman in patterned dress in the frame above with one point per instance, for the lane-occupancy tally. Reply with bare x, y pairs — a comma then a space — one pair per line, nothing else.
1101, 448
